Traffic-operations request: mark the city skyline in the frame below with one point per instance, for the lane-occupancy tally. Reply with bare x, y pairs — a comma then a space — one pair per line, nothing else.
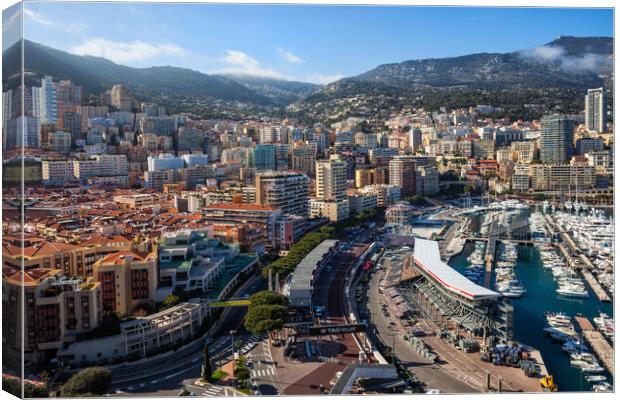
285, 43
171, 233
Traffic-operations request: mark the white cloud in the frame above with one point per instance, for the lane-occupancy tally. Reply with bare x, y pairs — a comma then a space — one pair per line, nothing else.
42, 19
588, 62
289, 57
240, 63
323, 79
548, 53
126, 52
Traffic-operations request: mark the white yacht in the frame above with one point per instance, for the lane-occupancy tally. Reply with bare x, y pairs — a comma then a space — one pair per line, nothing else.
573, 291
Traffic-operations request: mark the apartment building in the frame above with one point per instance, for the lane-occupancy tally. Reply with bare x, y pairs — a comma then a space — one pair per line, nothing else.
262, 215
286, 191
128, 279
57, 309
386, 194
403, 174
562, 177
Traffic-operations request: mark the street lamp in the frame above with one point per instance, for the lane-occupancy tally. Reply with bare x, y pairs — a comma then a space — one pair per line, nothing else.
232, 334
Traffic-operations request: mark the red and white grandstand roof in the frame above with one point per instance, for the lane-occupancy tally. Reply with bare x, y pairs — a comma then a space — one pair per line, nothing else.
426, 256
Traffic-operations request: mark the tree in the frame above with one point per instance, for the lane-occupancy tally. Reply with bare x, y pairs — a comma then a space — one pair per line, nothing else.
171, 300
268, 297
242, 373
96, 380
264, 318
416, 200
206, 367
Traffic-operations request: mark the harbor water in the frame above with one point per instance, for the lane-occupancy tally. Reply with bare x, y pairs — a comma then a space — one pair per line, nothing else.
541, 297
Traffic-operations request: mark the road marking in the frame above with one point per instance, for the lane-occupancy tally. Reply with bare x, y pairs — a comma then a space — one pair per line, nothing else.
142, 384
118, 391
195, 359
178, 373
154, 381
130, 388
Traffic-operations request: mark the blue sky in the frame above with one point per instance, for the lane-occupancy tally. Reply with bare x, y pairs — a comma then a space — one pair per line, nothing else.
309, 43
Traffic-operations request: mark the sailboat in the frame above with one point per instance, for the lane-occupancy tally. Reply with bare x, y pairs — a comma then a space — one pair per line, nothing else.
568, 204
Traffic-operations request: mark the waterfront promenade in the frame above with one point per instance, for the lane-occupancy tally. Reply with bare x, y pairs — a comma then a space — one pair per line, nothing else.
600, 346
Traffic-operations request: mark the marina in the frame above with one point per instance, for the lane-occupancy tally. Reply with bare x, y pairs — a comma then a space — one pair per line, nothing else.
543, 269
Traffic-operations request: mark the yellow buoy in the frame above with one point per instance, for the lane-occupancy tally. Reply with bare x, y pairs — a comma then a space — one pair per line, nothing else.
547, 383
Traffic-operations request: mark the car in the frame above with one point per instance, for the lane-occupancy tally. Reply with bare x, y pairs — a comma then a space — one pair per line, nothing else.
246, 296
248, 364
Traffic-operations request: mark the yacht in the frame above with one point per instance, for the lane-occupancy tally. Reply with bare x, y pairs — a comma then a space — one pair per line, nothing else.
592, 368
561, 334
573, 291
558, 319
587, 357
511, 288
603, 387
595, 378
605, 325
574, 347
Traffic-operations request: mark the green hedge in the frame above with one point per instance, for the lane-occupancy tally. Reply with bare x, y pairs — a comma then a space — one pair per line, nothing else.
299, 250
12, 385
95, 380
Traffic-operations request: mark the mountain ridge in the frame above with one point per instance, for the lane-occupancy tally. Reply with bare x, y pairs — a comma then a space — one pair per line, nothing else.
567, 63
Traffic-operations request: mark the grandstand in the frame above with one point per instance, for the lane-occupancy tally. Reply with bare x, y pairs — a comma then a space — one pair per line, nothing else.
442, 294
300, 286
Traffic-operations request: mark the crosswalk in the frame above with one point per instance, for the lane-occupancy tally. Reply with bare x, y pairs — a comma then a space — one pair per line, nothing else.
263, 372
218, 391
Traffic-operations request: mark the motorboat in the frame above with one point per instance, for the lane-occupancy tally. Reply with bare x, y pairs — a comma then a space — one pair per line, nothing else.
574, 347
573, 291
602, 387
558, 319
596, 378
592, 368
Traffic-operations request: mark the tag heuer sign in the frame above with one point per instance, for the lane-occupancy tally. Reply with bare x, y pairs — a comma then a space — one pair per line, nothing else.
336, 329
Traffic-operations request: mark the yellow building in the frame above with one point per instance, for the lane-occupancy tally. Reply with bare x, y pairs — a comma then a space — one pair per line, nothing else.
128, 279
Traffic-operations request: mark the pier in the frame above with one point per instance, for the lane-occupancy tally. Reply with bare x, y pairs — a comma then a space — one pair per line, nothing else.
596, 287
576, 259
489, 259
598, 343
512, 232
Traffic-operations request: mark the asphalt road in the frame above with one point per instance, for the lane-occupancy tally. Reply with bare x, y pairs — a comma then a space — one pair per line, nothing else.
430, 374
166, 376
263, 372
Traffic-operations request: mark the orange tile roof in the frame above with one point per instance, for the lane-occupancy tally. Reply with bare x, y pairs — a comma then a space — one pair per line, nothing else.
29, 277
117, 258
41, 249
104, 240
242, 206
